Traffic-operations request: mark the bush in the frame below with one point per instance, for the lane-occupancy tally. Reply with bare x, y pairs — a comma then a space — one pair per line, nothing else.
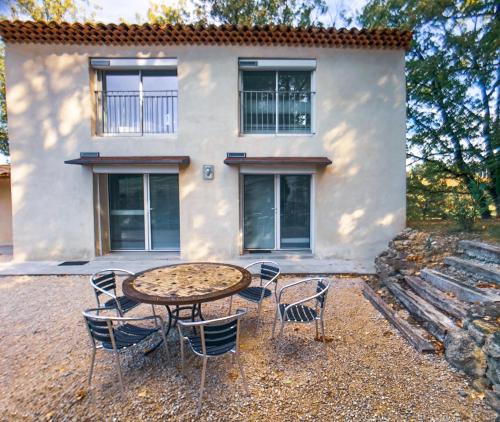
464, 212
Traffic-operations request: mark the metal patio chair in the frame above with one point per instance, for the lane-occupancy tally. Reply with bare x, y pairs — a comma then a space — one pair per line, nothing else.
213, 338
268, 271
116, 334
104, 283
298, 312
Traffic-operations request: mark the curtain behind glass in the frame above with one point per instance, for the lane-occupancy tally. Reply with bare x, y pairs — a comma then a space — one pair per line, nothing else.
258, 213
164, 202
295, 211
126, 211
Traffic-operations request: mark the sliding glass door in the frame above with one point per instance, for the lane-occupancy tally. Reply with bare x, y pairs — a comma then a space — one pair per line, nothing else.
259, 212
126, 211
295, 211
276, 211
144, 211
164, 211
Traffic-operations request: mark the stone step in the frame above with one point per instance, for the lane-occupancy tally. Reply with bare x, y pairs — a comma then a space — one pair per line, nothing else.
437, 323
483, 251
462, 291
478, 270
415, 335
438, 298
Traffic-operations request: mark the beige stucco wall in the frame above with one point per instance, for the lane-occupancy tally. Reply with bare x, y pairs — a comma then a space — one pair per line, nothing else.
5, 212
360, 125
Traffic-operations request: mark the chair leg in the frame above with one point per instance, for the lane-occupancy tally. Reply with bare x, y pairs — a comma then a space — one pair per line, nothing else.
258, 311
230, 304
274, 323
164, 337
323, 331
281, 328
245, 386
118, 367
202, 386
92, 361
154, 314
317, 329
182, 354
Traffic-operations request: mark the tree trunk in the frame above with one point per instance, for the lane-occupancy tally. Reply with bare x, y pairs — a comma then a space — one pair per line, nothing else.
458, 158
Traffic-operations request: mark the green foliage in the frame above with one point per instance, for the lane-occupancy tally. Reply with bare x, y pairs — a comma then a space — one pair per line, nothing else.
241, 12
49, 10
428, 193
434, 196
162, 13
453, 87
464, 212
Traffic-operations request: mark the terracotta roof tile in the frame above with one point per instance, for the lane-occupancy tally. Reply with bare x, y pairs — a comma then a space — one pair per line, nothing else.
29, 32
4, 170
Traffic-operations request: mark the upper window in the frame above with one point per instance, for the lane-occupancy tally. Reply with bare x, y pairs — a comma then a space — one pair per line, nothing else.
139, 102
276, 101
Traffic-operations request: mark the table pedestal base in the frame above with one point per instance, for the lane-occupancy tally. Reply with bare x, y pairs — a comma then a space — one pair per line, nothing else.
174, 316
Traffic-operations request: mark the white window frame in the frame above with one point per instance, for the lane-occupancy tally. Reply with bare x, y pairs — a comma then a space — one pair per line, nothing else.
277, 172
147, 211
277, 65
130, 64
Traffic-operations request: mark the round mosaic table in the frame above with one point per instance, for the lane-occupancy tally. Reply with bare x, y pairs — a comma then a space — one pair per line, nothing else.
186, 284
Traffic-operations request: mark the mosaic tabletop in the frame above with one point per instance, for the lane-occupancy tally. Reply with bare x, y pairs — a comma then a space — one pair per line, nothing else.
186, 283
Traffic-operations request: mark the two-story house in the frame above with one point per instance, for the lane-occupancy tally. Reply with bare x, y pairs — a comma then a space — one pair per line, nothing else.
212, 142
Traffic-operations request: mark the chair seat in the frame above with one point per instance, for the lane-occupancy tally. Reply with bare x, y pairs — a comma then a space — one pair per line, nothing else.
298, 313
128, 335
125, 303
212, 350
253, 294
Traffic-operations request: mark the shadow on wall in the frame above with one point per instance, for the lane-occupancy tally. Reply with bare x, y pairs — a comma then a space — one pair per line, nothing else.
47, 116
361, 194
367, 178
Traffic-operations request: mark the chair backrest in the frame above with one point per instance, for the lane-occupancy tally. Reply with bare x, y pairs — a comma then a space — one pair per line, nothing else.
221, 332
105, 280
100, 328
322, 287
220, 335
268, 270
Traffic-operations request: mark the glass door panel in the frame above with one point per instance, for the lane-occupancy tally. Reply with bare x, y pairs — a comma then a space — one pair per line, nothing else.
126, 211
295, 211
164, 211
258, 213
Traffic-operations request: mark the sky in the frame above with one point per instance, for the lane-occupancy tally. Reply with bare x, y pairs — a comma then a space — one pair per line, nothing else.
113, 10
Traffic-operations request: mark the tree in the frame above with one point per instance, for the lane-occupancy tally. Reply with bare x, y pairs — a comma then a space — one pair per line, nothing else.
453, 87
241, 12
162, 13
47, 10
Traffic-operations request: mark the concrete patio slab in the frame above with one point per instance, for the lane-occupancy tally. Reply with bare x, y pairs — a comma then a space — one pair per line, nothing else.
134, 263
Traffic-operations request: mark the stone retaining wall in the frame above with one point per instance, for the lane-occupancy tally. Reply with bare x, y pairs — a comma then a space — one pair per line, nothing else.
474, 347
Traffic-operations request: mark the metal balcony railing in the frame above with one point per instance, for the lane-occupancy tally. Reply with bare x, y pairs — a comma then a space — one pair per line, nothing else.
136, 112
276, 111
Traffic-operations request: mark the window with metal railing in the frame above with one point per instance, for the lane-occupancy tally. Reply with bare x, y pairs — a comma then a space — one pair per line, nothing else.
276, 102
137, 102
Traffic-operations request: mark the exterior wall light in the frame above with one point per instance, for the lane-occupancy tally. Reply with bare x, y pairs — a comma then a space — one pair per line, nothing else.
208, 172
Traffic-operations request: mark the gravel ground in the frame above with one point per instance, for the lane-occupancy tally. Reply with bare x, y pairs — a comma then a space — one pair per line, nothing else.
366, 371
